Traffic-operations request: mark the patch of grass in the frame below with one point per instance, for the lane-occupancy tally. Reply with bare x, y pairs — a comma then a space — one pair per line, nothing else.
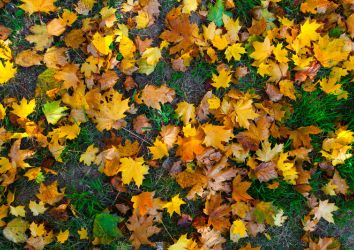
88, 135
315, 108
163, 185
346, 170
166, 115
285, 196
243, 8
202, 71
86, 203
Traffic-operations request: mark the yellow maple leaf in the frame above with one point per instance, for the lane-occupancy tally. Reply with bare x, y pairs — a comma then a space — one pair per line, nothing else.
102, 43
281, 55
330, 52
40, 37
37, 229
262, 50
37, 208
158, 150
18, 211
222, 80
7, 71
32, 6
49, 194
189, 6
174, 205
23, 109
186, 111
232, 27
188, 130
220, 42
142, 19
152, 55
83, 233
216, 135
325, 210
244, 111
287, 88
90, 155
308, 32
127, 47
62, 237
234, 51
288, 169
183, 243
238, 230
133, 170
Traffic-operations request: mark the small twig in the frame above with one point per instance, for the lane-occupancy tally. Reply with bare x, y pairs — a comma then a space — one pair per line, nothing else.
167, 230
137, 136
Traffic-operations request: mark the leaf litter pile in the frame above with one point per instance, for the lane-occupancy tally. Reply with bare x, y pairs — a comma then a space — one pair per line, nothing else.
267, 143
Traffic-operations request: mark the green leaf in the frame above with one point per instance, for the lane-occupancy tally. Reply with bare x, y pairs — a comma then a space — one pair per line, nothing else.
216, 12
53, 112
105, 227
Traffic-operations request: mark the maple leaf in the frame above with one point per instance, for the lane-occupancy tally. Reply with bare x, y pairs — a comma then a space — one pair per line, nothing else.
244, 111
133, 170
24, 109
316, 6
262, 50
180, 31
49, 194
301, 136
234, 51
18, 211
15, 230
89, 156
37, 208
330, 52
143, 202
63, 236
189, 6
28, 58
266, 171
249, 247
40, 38
218, 214
158, 150
174, 205
215, 135
142, 228
238, 230
53, 111
152, 96
107, 109
186, 111
169, 135
83, 233
37, 229
308, 32
102, 43
287, 89
222, 80
340, 183
183, 243
19, 156
239, 189
7, 71
267, 153
325, 210
287, 167
32, 6
126, 47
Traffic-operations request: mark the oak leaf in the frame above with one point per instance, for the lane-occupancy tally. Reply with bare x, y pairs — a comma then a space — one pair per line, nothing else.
142, 228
